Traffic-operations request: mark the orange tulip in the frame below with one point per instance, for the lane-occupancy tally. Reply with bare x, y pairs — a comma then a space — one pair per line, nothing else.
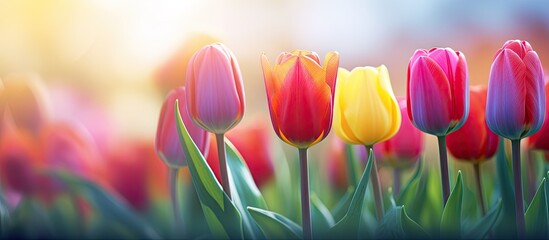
300, 93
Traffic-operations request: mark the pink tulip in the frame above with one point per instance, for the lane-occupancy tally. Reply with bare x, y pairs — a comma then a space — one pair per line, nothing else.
167, 143
215, 93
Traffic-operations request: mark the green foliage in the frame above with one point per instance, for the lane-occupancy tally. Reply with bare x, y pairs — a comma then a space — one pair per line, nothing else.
450, 225
536, 214
274, 225
221, 214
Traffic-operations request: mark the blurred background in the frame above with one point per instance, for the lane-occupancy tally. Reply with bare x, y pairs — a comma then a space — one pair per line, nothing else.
107, 65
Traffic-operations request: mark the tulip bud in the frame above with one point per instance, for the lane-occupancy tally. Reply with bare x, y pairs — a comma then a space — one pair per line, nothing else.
540, 140
366, 110
254, 144
215, 93
437, 90
300, 93
167, 143
515, 106
404, 148
474, 141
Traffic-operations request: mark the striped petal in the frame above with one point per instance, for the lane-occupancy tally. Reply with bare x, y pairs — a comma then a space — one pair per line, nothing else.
430, 98
535, 95
505, 106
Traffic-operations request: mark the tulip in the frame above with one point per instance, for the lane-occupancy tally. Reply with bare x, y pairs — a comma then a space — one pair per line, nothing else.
402, 150
438, 98
366, 112
515, 106
474, 142
134, 171
254, 144
26, 101
300, 93
215, 97
167, 144
215, 93
540, 140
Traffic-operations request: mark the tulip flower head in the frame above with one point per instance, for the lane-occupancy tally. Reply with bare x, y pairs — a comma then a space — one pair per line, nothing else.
215, 93
540, 140
437, 90
404, 148
167, 144
515, 106
300, 93
474, 141
366, 110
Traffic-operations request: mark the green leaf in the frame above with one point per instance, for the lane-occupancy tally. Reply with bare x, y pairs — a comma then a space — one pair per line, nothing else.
221, 214
321, 216
397, 224
536, 214
408, 193
348, 226
274, 225
244, 191
507, 226
113, 214
342, 205
450, 225
481, 229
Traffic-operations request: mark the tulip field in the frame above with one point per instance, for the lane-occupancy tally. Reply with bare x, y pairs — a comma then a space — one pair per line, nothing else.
207, 177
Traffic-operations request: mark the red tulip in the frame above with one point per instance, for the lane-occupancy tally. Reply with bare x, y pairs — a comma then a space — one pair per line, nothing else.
515, 106
405, 147
474, 141
134, 171
167, 143
215, 93
540, 140
437, 96
300, 93
254, 144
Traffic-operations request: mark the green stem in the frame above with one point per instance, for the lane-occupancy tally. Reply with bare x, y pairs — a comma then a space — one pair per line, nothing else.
305, 202
531, 176
220, 139
443, 155
519, 209
178, 226
476, 167
376, 184
351, 166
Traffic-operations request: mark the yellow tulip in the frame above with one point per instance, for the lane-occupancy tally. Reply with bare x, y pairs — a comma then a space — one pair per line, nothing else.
366, 109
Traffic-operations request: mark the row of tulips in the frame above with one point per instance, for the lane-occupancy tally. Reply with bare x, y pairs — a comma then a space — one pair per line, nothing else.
303, 95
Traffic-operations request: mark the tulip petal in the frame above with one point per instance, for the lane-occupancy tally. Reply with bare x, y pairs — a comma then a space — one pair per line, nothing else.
418, 53
460, 93
505, 111
535, 95
340, 122
430, 100
304, 113
331, 63
272, 86
387, 96
447, 60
